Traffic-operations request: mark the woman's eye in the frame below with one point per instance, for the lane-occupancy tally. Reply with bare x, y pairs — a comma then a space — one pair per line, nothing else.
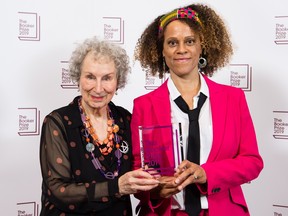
107, 78
172, 43
190, 42
90, 76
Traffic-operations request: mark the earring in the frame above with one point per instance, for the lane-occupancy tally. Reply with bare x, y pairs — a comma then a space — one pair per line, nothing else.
164, 65
202, 63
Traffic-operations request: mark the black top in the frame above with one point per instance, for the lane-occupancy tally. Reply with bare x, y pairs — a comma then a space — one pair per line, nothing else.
71, 185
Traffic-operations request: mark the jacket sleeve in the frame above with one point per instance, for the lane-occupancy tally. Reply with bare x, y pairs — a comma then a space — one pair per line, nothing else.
135, 123
238, 160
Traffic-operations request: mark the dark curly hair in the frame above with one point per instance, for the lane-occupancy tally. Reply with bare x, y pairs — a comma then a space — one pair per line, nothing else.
215, 42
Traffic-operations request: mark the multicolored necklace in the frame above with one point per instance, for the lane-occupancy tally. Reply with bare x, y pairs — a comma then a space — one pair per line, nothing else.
106, 146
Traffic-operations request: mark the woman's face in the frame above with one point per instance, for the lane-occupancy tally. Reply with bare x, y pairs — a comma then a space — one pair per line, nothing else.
181, 49
98, 81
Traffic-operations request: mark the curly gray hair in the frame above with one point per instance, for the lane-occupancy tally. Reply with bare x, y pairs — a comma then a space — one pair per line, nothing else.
100, 48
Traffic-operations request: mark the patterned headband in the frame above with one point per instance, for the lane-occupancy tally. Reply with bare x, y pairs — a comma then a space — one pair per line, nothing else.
181, 13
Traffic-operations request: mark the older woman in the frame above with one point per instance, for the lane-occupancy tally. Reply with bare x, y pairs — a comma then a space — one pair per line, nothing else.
85, 148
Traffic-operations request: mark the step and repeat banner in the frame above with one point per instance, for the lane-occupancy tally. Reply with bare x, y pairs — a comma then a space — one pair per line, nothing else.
37, 38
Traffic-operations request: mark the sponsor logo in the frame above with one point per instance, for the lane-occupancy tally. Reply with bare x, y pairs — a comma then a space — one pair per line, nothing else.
27, 209
237, 75
280, 124
153, 82
241, 76
113, 29
66, 81
281, 30
29, 119
280, 210
29, 26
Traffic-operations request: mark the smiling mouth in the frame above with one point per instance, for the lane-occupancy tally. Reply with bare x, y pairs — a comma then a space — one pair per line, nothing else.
97, 97
182, 59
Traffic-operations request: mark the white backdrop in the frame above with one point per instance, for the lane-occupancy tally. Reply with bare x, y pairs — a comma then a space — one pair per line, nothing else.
37, 38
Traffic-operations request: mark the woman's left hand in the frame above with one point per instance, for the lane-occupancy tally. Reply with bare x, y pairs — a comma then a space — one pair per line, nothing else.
188, 173
135, 181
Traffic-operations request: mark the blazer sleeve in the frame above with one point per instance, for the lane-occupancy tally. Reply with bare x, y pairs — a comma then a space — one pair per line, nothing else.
238, 160
135, 123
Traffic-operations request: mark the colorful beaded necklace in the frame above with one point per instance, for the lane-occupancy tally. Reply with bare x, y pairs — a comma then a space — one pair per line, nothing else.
106, 146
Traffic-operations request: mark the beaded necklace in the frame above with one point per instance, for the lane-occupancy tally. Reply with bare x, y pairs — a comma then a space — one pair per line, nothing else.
106, 146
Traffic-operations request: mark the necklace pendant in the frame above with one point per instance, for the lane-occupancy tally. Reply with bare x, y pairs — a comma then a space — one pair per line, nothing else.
90, 147
109, 175
118, 154
124, 147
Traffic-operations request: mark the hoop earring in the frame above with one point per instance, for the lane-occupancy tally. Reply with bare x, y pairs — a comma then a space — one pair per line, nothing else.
202, 63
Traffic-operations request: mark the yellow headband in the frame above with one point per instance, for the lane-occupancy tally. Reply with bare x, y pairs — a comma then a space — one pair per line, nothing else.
182, 13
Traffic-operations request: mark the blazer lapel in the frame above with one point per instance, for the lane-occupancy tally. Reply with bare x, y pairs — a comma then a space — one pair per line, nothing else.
161, 105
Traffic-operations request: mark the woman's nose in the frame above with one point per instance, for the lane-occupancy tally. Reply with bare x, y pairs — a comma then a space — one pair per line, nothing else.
181, 48
98, 86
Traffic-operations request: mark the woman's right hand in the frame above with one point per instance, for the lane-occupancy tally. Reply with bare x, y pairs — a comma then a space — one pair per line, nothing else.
135, 181
167, 188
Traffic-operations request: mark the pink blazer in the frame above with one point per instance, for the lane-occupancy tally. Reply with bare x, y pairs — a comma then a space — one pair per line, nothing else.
234, 158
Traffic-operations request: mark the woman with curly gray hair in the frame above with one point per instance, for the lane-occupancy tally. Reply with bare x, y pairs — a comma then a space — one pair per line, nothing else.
85, 147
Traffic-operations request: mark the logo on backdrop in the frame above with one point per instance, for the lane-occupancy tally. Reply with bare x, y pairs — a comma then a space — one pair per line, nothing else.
29, 121
66, 81
153, 82
281, 30
241, 76
113, 29
29, 26
280, 210
280, 124
27, 209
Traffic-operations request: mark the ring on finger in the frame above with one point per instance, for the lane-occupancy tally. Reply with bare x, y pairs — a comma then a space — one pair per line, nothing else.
195, 177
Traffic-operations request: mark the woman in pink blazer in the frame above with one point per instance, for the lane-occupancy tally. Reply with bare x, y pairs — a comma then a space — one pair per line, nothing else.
191, 43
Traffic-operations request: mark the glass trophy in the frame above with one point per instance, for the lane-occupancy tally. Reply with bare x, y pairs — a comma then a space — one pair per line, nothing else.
157, 149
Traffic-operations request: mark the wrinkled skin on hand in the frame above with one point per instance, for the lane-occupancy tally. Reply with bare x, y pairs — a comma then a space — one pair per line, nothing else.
135, 181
